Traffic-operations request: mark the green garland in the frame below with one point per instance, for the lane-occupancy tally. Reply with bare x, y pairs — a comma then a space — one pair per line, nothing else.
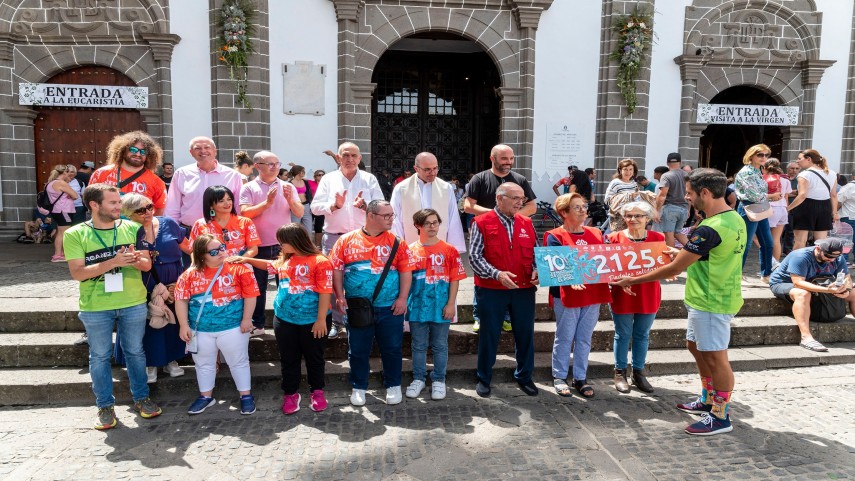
635, 33
234, 45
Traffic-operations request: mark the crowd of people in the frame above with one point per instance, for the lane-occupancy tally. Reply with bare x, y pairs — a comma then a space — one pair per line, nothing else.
185, 269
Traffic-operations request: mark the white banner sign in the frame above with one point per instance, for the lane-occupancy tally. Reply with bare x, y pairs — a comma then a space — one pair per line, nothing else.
68, 95
747, 114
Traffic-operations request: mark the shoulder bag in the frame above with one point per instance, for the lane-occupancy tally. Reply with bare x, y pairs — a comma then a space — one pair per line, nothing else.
193, 344
826, 307
360, 310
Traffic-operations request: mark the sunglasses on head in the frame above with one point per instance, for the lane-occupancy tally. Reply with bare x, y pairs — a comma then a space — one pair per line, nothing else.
143, 210
135, 150
216, 252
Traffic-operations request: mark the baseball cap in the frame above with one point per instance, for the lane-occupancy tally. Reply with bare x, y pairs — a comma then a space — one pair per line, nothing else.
674, 157
830, 246
89, 164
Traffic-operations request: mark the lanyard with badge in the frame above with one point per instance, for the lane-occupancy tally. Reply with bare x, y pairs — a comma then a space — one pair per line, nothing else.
113, 277
193, 344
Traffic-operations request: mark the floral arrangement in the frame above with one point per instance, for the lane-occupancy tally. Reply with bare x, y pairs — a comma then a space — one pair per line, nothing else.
234, 44
635, 33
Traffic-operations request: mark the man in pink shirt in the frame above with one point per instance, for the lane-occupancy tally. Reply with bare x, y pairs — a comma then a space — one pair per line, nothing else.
269, 202
184, 198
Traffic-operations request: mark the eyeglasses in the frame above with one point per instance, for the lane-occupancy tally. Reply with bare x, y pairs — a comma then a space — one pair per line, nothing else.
580, 208
634, 216
515, 198
431, 170
431, 224
135, 150
143, 210
386, 216
269, 164
764, 155
216, 252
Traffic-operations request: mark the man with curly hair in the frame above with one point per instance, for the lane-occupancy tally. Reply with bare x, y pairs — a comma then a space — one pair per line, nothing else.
132, 158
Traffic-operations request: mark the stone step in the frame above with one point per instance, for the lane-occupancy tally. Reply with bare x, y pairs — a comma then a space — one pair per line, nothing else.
66, 386
57, 349
60, 314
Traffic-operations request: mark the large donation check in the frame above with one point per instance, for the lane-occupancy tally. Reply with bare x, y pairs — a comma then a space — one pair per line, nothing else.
598, 263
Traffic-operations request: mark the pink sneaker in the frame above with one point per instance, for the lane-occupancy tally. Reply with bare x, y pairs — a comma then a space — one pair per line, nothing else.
57, 258
319, 402
290, 404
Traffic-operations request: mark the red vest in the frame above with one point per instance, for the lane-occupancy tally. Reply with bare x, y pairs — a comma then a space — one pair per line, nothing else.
593, 293
517, 258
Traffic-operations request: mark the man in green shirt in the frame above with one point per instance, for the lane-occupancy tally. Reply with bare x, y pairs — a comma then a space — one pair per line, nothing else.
715, 248
102, 254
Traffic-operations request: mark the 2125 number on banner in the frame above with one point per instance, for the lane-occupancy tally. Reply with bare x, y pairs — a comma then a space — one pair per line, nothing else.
598, 263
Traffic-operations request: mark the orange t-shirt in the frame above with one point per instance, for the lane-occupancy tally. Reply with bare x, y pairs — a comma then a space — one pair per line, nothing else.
238, 235
147, 184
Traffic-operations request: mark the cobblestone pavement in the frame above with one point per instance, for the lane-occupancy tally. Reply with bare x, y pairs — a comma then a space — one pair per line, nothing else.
789, 424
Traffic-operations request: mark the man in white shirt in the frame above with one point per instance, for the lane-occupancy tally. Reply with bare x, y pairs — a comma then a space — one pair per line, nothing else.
426, 191
184, 198
341, 198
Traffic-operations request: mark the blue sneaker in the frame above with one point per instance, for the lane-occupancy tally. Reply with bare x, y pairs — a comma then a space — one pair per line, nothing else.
695, 407
247, 404
710, 425
200, 404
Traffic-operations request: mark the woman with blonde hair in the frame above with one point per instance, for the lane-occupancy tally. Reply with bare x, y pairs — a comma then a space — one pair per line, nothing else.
62, 195
752, 189
814, 209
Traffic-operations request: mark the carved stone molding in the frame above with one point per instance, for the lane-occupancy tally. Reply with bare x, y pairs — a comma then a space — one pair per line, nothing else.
812, 71
527, 13
363, 90
161, 45
21, 116
348, 9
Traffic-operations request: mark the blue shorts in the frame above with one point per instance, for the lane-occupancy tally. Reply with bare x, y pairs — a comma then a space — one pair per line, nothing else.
673, 218
709, 331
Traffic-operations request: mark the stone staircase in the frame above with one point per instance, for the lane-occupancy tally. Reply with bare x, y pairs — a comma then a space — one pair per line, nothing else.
40, 365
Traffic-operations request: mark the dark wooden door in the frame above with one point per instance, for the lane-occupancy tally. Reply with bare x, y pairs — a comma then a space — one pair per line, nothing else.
73, 135
443, 103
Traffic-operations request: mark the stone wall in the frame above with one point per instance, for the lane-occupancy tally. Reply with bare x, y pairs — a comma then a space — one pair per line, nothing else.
847, 153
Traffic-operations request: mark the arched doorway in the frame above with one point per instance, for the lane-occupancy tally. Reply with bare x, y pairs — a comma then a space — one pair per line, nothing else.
73, 135
722, 145
435, 92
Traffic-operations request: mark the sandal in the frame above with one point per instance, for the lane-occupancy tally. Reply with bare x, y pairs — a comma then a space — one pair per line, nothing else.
813, 345
561, 387
584, 388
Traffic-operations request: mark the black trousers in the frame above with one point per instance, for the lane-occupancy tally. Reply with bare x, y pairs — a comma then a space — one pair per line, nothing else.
296, 343
269, 253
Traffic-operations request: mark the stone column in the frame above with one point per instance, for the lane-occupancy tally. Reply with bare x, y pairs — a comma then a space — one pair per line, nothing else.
812, 71
359, 115
512, 123
234, 127
847, 152
346, 14
17, 175
690, 132
161, 51
619, 134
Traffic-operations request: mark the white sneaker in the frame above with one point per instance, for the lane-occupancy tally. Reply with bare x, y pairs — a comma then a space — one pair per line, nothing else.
357, 397
173, 369
151, 373
415, 388
333, 332
257, 331
437, 390
393, 395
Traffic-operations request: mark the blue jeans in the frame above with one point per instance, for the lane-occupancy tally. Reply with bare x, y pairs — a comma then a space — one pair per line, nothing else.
435, 333
388, 330
764, 236
131, 329
851, 222
261, 278
637, 327
494, 303
574, 327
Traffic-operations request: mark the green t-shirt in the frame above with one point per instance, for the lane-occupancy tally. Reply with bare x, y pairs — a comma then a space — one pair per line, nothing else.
714, 282
82, 242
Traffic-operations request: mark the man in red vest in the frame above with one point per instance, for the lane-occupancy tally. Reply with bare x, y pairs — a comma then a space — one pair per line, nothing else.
505, 280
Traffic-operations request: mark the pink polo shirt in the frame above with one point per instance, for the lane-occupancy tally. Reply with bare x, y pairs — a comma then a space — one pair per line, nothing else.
255, 192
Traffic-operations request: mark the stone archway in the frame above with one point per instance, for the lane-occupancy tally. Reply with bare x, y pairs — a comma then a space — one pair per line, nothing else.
505, 30
766, 45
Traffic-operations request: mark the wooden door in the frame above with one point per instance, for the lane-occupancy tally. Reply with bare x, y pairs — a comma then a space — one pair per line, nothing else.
73, 135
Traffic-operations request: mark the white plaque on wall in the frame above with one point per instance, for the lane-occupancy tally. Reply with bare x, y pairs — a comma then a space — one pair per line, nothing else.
563, 145
739, 114
68, 95
304, 88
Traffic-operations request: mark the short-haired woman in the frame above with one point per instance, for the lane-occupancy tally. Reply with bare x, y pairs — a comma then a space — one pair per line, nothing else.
225, 293
752, 189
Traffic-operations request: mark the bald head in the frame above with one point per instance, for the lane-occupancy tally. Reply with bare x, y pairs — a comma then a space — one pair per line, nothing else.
502, 158
427, 167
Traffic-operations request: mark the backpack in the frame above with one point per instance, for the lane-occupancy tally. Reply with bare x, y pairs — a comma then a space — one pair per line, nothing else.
43, 200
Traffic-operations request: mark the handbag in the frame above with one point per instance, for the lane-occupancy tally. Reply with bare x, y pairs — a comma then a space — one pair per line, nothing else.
758, 211
826, 307
360, 310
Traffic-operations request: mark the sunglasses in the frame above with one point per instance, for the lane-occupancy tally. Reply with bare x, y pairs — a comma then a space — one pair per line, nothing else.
216, 252
143, 210
135, 150
764, 155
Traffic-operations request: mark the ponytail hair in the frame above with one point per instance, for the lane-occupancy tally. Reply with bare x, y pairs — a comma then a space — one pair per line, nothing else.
816, 159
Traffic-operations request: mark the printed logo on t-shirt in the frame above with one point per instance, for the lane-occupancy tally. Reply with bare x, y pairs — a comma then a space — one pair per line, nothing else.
581, 242
523, 233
